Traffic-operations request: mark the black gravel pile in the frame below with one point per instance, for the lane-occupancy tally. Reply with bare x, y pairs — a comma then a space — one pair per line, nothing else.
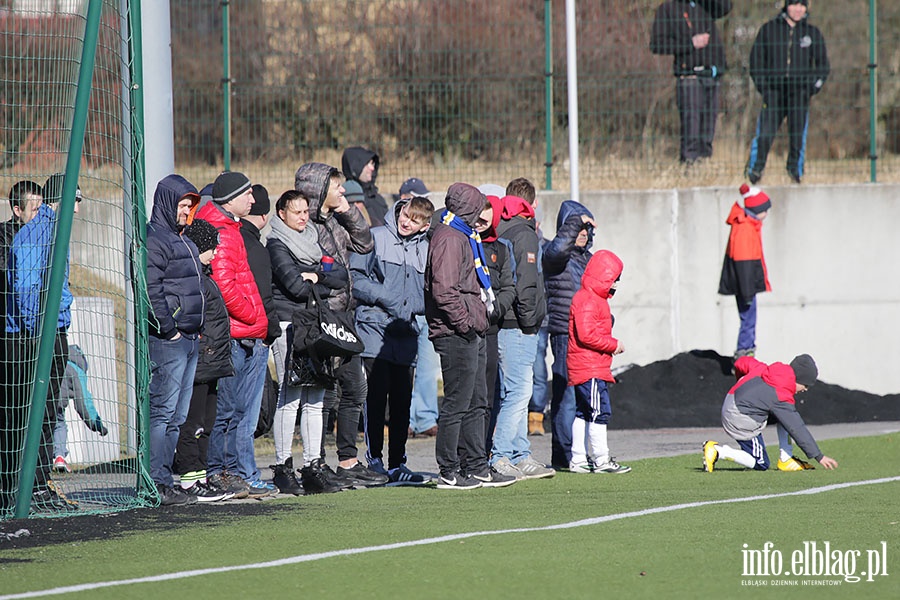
687, 391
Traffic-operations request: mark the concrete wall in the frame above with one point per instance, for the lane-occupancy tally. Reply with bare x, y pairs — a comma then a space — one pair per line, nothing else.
832, 254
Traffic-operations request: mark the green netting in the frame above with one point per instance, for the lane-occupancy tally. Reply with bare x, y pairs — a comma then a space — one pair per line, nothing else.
451, 90
90, 453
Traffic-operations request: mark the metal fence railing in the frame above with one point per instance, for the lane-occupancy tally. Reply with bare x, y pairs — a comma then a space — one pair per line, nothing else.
458, 90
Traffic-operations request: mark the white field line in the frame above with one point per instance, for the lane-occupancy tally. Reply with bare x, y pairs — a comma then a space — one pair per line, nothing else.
435, 540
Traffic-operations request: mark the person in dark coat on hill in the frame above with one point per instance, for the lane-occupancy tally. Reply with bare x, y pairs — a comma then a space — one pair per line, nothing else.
178, 306
764, 393
789, 65
564, 260
213, 362
686, 29
361, 165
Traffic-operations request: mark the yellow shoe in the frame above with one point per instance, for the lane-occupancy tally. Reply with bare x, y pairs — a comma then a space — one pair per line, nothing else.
794, 464
535, 423
710, 456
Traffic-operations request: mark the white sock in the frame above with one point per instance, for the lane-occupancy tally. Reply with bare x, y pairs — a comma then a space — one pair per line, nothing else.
599, 449
786, 450
736, 455
579, 441
311, 424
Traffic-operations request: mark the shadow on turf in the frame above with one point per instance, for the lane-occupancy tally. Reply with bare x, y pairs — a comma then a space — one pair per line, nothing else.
82, 528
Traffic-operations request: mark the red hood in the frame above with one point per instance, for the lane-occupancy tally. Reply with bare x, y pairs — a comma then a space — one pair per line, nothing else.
513, 206
490, 234
601, 273
739, 215
778, 375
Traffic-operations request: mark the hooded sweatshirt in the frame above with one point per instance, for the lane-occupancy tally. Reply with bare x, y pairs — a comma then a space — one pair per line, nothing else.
789, 57
591, 342
174, 273
518, 226
353, 161
501, 264
762, 391
453, 304
339, 233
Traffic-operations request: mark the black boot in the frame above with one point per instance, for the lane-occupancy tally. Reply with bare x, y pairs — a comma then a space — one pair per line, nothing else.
315, 482
285, 480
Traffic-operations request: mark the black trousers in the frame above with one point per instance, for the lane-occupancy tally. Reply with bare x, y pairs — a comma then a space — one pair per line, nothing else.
193, 437
390, 387
779, 104
346, 405
698, 107
465, 409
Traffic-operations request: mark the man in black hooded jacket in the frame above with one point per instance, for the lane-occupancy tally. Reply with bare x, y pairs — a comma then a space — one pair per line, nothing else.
361, 165
789, 65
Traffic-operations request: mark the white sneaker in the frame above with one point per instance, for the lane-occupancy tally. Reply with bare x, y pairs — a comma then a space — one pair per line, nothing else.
580, 467
611, 466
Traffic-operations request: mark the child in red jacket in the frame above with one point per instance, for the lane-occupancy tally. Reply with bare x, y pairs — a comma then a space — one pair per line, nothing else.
590, 352
744, 268
763, 393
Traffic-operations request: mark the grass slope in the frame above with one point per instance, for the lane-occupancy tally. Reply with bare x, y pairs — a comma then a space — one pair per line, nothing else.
684, 553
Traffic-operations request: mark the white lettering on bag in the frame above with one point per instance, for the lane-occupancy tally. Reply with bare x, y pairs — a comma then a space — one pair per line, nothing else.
339, 333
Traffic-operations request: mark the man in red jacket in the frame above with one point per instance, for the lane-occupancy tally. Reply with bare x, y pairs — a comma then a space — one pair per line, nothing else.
763, 392
231, 462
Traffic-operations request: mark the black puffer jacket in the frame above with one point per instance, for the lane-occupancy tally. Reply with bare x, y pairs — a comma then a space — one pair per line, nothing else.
214, 358
353, 161
564, 264
174, 277
289, 288
261, 267
792, 57
339, 233
675, 25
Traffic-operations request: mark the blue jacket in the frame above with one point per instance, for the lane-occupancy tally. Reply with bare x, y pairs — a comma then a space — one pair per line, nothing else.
564, 264
27, 269
389, 287
174, 273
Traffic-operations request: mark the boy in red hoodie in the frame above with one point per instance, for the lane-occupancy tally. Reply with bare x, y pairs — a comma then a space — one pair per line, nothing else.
590, 352
765, 391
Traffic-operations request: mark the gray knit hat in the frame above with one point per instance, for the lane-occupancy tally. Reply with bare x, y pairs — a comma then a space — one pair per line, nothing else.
228, 186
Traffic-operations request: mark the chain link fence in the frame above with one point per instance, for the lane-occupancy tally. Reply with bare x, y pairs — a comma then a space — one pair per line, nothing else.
451, 90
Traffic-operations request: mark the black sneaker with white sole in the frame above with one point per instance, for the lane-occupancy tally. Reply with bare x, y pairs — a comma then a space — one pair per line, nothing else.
493, 478
456, 481
205, 493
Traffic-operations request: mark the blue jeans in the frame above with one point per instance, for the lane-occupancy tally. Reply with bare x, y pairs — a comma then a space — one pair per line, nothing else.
237, 411
747, 332
562, 404
515, 373
539, 397
423, 411
173, 363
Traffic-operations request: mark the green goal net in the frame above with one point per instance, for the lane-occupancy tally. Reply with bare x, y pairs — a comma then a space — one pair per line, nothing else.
74, 362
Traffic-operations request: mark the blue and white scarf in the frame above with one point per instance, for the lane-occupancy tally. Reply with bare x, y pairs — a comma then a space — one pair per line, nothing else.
484, 276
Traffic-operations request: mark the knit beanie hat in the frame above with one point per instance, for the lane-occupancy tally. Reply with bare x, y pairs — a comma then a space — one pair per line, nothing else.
353, 192
203, 234
228, 186
805, 369
261, 204
755, 200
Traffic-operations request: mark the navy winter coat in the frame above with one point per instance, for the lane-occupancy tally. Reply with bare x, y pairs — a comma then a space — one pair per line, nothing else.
174, 273
564, 264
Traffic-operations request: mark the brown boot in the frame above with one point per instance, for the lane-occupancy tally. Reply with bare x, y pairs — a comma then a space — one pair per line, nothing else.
535, 423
